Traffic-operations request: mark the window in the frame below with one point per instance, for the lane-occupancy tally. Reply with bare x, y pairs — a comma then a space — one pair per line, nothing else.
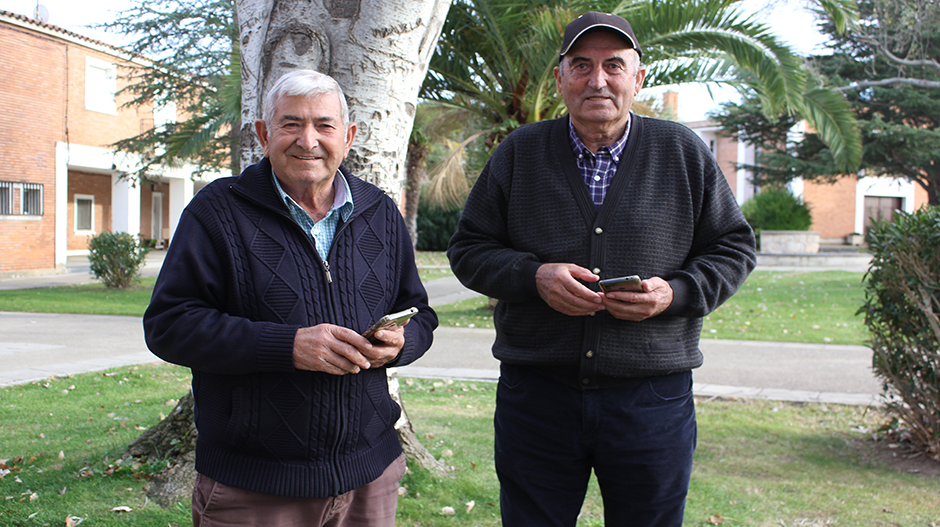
84, 213
20, 199
100, 86
6, 197
32, 199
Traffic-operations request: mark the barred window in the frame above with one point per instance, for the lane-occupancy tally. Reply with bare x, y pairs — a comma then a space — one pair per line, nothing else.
6, 197
20, 199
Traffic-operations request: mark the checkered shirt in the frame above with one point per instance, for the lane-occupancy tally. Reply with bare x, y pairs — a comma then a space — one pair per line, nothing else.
598, 170
322, 231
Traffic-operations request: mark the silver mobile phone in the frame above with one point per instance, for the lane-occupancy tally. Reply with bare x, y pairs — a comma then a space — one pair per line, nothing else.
389, 321
623, 283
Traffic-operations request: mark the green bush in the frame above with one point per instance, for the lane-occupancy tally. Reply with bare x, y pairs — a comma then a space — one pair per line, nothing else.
777, 209
435, 227
902, 311
116, 258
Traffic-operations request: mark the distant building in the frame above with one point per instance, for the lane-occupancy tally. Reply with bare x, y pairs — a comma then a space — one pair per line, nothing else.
60, 182
839, 210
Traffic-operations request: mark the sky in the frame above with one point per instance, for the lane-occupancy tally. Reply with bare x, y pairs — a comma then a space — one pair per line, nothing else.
789, 18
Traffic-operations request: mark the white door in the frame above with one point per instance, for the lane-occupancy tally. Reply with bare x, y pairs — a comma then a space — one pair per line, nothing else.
156, 226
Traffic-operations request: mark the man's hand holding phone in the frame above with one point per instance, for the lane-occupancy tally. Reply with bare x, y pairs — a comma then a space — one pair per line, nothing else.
337, 350
559, 286
387, 336
629, 298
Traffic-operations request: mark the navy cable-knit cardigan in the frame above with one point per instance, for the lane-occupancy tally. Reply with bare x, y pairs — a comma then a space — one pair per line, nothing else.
669, 212
240, 277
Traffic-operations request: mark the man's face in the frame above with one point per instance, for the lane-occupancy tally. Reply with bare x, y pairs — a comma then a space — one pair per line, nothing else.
597, 81
306, 141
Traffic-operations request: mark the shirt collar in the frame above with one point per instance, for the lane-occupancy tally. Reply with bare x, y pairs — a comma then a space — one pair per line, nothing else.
616, 149
342, 196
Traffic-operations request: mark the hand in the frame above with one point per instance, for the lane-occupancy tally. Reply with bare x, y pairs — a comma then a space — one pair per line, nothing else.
656, 297
331, 349
390, 343
558, 285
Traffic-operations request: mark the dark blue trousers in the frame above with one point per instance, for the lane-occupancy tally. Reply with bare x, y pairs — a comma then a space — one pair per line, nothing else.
638, 438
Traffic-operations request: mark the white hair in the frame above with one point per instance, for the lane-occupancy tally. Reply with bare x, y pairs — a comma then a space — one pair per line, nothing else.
304, 83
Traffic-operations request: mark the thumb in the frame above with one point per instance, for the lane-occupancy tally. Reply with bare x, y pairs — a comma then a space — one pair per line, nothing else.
583, 274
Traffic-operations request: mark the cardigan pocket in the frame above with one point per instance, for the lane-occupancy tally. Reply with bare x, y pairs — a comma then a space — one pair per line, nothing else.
236, 432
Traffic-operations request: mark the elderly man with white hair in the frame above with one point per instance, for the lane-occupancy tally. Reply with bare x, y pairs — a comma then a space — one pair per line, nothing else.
267, 287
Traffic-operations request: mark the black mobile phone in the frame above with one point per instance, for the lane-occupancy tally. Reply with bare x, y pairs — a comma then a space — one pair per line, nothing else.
389, 321
623, 283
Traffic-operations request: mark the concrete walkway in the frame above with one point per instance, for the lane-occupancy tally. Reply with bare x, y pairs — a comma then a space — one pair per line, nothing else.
36, 346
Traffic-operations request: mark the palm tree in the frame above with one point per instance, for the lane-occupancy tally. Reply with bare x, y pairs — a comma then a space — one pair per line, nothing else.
495, 59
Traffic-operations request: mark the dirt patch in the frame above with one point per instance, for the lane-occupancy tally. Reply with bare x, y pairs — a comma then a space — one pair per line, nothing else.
902, 458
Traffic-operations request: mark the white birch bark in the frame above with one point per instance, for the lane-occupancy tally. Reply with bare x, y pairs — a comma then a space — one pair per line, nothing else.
377, 50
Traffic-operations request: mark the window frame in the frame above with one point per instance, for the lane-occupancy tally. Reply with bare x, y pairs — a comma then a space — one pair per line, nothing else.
91, 213
100, 91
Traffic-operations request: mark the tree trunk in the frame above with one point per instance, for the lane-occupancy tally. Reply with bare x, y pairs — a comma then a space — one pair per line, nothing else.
378, 51
417, 154
173, 439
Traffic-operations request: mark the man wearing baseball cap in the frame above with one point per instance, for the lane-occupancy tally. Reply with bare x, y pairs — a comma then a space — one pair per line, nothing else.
590, 378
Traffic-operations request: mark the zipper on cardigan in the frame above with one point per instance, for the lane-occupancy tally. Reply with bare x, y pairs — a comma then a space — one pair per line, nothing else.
326, 267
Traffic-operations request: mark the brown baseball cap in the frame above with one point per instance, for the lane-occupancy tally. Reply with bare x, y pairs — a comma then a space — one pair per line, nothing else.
594, 20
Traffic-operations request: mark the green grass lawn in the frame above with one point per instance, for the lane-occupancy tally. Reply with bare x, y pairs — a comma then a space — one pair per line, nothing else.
758, 463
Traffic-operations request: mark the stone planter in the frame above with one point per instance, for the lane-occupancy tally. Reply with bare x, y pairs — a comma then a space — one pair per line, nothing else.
855, 240
789, 242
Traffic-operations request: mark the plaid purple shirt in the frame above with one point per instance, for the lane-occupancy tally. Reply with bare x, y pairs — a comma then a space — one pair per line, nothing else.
598, 170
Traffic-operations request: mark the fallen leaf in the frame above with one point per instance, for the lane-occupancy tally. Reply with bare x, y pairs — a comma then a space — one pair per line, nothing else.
470, 505
61, 454
122, 508
716, 519
448, 511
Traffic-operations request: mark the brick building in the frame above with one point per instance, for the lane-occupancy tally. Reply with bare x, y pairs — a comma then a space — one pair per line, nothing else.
60, 182
839, 209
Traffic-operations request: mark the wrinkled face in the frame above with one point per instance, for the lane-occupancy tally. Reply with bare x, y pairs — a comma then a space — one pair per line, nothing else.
306, 140
598, 80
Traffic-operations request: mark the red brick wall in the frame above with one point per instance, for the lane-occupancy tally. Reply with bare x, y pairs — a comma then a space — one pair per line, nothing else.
32, 120
42, 102
726, 153
832, 206
93, 128
920, 197
96, 185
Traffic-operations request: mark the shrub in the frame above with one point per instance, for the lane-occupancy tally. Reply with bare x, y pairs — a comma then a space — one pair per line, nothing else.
116, 258
435, 227
777, 209
902, 311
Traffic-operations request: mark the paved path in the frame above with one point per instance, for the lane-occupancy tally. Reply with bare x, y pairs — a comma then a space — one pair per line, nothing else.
36, 346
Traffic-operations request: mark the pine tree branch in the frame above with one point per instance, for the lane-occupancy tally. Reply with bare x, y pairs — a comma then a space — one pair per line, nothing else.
881, 48
920, 83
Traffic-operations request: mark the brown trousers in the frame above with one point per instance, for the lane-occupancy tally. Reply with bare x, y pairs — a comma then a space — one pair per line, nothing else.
371, 505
